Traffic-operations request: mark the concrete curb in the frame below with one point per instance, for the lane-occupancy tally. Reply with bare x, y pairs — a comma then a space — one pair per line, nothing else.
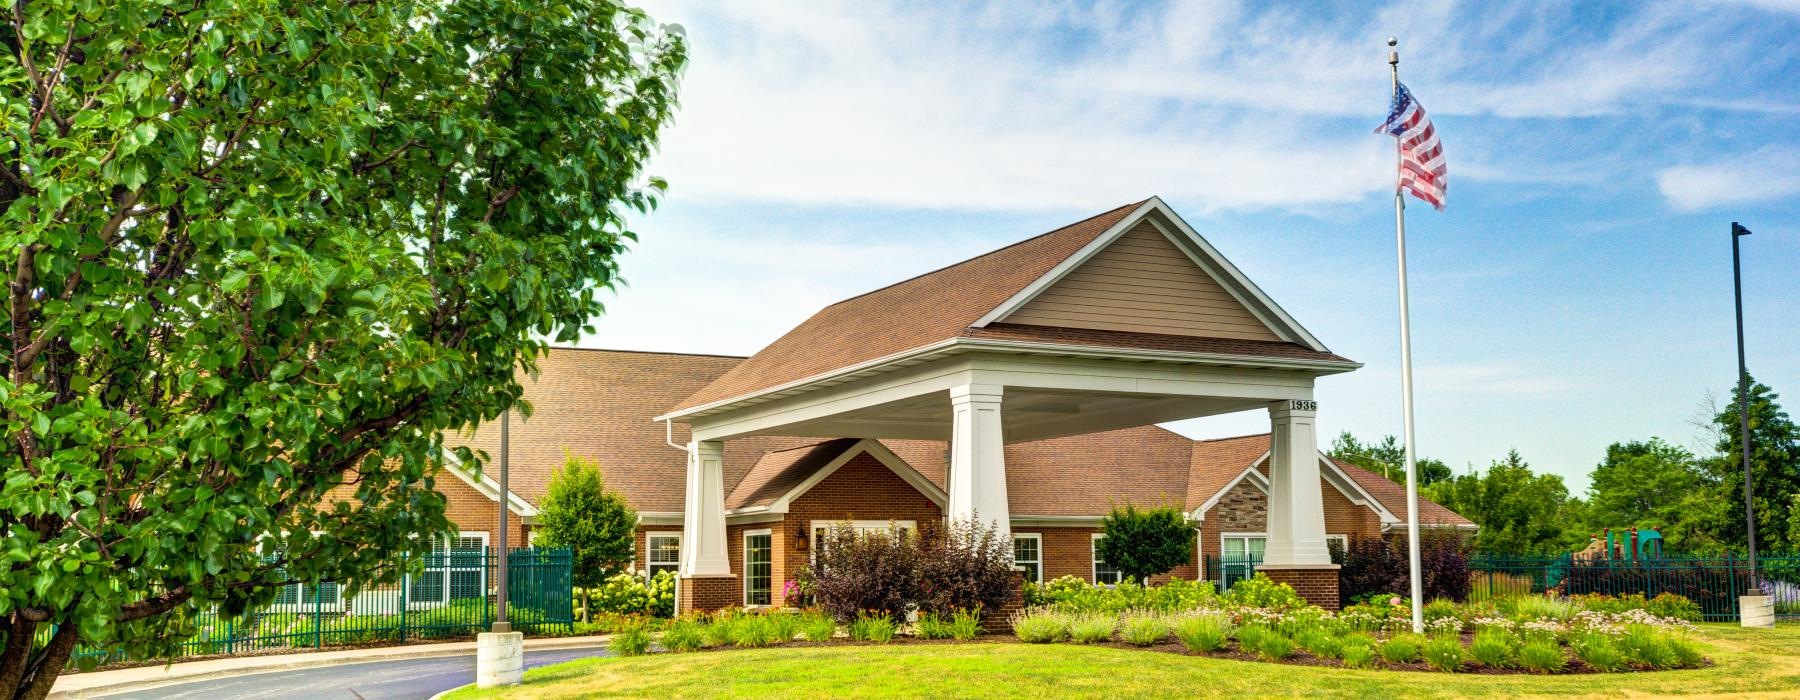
83, 685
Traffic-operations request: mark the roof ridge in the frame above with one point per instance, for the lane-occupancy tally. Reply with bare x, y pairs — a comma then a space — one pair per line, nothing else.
650, 352
1234, 437
1003, 248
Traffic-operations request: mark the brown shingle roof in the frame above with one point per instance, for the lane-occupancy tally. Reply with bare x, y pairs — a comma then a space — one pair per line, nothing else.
1393, 497
1148, 341
1215, 463
888, 320
1089, 474
778, 472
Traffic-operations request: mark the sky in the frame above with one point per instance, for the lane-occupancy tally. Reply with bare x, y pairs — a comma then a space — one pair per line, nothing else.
1576, 291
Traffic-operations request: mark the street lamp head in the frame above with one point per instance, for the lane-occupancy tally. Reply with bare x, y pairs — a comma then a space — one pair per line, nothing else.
1738, 229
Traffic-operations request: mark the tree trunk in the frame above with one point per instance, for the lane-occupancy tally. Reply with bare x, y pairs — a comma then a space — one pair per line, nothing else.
48, 665
587, 605
28, 676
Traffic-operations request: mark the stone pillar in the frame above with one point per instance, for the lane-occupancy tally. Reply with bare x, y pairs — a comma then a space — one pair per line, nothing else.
978, 457
1756, 611
703, 559
1295, 552
499, 659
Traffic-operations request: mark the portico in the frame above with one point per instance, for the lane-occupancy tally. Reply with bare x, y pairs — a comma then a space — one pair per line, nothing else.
1126, 319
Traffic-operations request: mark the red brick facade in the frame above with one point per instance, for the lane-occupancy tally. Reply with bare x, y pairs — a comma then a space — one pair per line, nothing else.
1318, 586
473, 512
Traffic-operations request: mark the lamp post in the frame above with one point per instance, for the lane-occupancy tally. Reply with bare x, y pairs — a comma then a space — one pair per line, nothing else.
1754, 608
500, 623
500, 652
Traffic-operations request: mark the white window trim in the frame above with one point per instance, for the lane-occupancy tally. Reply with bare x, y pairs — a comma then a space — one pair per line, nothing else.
1094, 561
815, 526
1342, 540
337, 604
746, 559
1223, 536
444, 571
651, 534
1040, 553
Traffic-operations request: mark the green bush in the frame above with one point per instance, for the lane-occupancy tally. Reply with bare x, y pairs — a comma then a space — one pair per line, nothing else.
1542, 656
684, 635
1260, 591
722, 631
930, 626
818, 627
753, 631
965, 624
1144, 630
1040, 626
631, 641
1644, 645
1092, 629
1439, 609
1535, 607
1319, 642
1599, 652
783, 626
874, 627
1357, 650
1675, 606
1072, 595
1402, 648
1202, 633
1274, 646
1444, 653
627, 594
1493, 648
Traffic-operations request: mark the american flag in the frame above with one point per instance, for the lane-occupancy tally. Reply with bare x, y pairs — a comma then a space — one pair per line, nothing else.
1422, 169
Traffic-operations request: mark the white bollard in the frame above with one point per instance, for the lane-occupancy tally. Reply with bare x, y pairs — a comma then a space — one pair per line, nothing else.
1756, 611
499, 659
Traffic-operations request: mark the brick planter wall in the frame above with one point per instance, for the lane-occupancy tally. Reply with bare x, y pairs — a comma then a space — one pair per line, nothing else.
708, 594
1318, 586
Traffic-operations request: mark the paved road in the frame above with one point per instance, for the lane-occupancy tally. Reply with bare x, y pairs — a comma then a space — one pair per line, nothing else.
406, 679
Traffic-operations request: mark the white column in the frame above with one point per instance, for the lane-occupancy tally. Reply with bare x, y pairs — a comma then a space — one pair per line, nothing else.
1296, 507
978, 457
703, 517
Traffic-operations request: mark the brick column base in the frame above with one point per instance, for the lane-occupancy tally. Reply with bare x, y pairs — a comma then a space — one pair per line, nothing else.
707, 594
1316, 584
1000, 621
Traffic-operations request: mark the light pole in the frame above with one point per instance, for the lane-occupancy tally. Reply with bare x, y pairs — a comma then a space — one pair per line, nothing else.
500, 623
1754, 608
500, 652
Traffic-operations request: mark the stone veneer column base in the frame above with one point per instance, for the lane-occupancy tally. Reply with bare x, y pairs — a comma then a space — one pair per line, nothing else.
708, 594
1317, 583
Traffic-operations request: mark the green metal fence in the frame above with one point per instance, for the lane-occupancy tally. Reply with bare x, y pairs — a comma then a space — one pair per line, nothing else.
450, 595
1712, 582
1227, 570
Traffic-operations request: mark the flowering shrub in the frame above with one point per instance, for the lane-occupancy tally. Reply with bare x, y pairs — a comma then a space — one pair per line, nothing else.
629, 594
1071, 594
965, 566
1261, 592
853, 572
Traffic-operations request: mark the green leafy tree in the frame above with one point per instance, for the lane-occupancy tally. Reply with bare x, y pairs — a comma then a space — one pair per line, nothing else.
1141, 543
596, 524
1642, 484
1387, 458
1774, 465
1519, 512
258, 251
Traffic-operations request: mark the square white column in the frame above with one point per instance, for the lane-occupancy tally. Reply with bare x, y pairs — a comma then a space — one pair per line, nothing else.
978, 457
1296, 526
703, 517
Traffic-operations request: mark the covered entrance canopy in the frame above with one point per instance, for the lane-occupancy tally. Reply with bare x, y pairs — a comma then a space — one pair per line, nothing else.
1123, 319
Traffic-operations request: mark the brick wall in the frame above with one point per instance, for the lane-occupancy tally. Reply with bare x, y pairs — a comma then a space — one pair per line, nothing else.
1317, 586
862, 489
1069, 551
708, 594
473, 512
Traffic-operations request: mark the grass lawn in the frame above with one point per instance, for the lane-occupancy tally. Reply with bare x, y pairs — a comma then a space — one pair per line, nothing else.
1746, 661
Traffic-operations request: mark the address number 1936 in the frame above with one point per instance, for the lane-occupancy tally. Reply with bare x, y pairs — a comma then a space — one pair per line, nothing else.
1303, 405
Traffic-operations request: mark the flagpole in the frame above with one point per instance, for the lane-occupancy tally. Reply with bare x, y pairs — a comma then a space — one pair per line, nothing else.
1406, 389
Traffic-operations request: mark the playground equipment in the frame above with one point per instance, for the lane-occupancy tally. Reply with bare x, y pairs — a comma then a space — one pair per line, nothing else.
1622, 545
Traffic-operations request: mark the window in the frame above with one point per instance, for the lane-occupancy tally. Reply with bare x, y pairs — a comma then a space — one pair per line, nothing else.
821, 529
1241, 552
759, 567
664, 552
1028, 556
1103, 574
305, 597
1337, 545
456, 568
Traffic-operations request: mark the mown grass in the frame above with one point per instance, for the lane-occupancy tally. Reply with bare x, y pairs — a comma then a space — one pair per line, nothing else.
1745, 661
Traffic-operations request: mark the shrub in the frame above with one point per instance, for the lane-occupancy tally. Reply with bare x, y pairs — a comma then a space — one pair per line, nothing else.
1357, 651
1275, 646
1092, 629
594, 522
1040, 626
1439, 609
1202, 633
1644, 645
1675, 606
853, 572
684, 635
1493, 648
1319, 642
1401, 648
752, 631
1072, 595
872, 627
930, 626
1444, 653
1542, 656
1144, 630
629, 594
1260, 591
1379, 564
631, 641
782, 627
818, 627
965, 625
1536, 608
1147, 542
722, 631
964, 565
1598, 651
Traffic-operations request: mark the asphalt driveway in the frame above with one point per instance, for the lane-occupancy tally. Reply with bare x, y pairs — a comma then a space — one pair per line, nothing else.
402, 679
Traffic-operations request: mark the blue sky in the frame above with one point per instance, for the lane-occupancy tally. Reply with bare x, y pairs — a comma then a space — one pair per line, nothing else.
1575, 293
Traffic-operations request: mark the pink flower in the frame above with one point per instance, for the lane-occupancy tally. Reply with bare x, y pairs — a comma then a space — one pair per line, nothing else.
1394, 600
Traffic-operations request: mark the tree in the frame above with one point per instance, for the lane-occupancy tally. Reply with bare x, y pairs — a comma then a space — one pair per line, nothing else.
1642, 484
595, 523
1147, 542
1774, 465
1387, 458
259, 251
1519, 512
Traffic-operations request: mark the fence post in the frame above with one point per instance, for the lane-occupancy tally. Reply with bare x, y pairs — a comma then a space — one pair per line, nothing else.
230, 636
318, 616
405, 595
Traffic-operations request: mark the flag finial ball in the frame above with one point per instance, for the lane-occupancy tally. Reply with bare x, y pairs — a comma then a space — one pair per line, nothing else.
1393, 41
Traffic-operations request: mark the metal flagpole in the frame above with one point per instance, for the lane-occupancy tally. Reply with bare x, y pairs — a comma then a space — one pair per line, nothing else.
1406, 392
1737, 286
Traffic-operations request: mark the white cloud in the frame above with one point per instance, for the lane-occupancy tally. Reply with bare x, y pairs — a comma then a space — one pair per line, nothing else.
1758, 176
